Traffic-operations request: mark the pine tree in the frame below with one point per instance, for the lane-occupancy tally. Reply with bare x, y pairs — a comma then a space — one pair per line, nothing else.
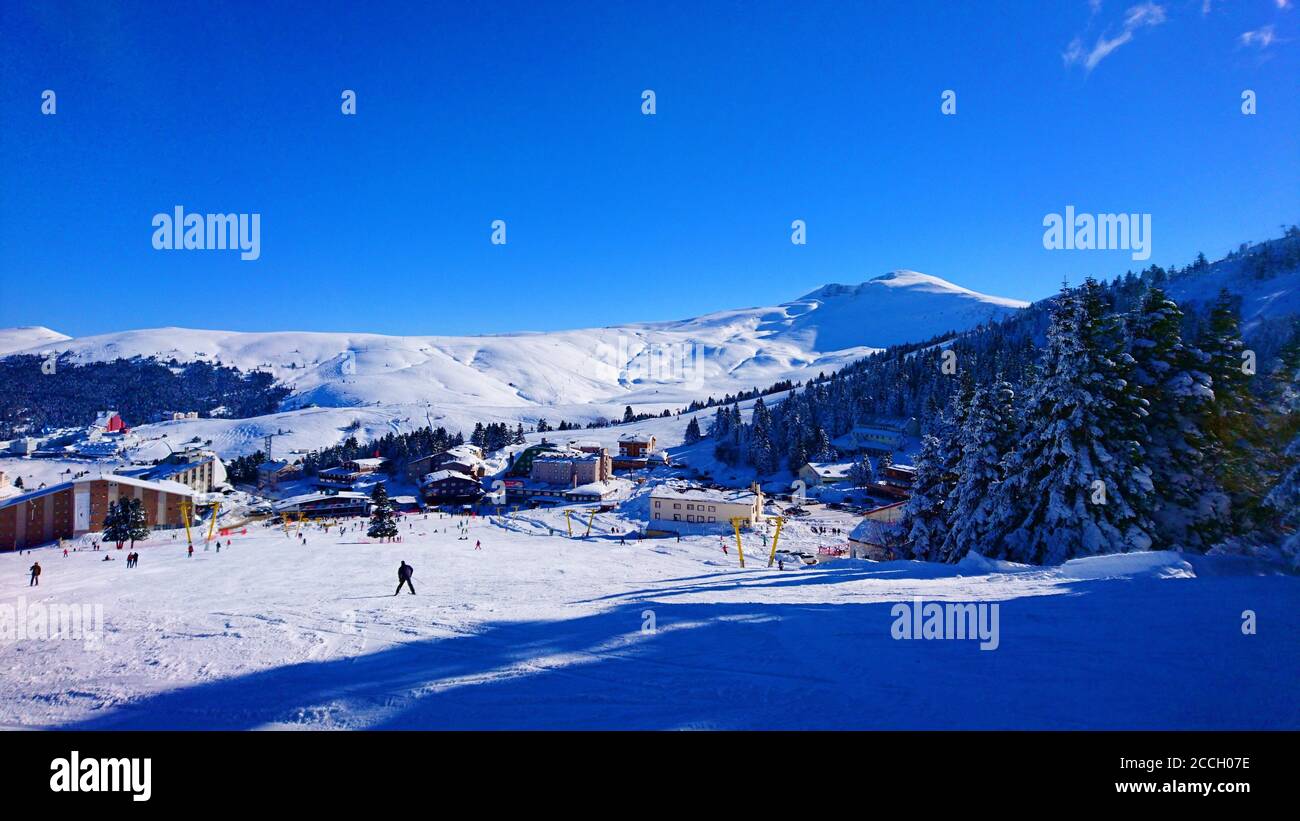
988, 436
1072, 484
137, 520
1235, 422
923, 515
692, 432
762, 454
383, 520
628, 416
117, 527
1188, 505
821, 450
861, 473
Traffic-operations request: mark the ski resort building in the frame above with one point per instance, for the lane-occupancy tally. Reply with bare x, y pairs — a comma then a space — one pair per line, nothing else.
897, 481
450, 486
875, 539
876, 440
72, 508
636, 445
571, 467
349, 472
271, 474
109, 422
199, 470
675, 502
466, 459
341, 504
824, 473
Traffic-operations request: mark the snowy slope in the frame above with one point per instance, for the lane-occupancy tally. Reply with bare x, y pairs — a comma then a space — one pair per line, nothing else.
18, 339
397, 382
650, 362
541, 631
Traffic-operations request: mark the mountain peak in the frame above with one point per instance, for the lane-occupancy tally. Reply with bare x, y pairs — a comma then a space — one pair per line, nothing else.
904, 279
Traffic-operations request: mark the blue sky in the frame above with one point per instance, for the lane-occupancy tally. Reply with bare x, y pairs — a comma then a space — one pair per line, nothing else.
531, 113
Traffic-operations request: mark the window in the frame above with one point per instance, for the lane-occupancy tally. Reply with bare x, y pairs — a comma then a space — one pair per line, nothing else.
677, 517
656, 504
711, 508
676, 506
711, 519
690, 517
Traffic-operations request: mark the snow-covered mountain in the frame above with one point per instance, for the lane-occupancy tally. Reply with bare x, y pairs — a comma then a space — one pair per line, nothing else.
370, 384
18, 339
663, 362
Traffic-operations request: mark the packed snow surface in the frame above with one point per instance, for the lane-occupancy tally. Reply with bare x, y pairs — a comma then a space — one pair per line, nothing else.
539, 630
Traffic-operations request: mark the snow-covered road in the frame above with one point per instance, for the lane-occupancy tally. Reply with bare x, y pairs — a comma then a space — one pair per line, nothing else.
541, 631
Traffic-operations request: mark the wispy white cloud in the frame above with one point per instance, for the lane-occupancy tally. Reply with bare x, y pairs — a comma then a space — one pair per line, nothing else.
1142, 15
1261, 37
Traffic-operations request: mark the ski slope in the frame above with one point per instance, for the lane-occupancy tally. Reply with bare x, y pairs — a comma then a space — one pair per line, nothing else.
537, 630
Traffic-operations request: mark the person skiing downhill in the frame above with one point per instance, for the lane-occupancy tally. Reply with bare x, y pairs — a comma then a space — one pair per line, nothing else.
36, 575
478, 545
404, 573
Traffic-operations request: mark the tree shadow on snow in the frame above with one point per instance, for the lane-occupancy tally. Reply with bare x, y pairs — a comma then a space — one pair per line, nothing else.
1108, 655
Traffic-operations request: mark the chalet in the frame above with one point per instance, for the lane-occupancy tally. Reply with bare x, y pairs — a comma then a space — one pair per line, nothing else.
824, 473
349, 472
677, 502
467, 459
200, 470
636, 445
877, 540
79, 506
446, 486
337, 505
109, 422
271, 474
897, 480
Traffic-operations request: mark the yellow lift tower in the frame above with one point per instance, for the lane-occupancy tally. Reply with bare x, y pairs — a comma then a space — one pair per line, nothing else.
740, 548
780, 520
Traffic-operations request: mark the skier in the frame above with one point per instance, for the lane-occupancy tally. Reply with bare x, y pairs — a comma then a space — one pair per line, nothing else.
36, 575
478, 545
190, 553
404, 573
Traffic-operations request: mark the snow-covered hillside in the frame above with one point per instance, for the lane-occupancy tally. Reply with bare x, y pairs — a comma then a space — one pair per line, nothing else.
389, 383
537, 630
18, 339
649, 362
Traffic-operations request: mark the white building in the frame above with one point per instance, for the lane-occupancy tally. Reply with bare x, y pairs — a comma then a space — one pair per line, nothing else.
679, 503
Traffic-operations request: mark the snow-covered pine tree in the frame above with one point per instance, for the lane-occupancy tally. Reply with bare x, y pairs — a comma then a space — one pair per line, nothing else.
988, 436
1188, 504
762, 453
923, 515
1284, 498
861, 473
1072, 483
137, 521
1235, 422
383, 519
821, 450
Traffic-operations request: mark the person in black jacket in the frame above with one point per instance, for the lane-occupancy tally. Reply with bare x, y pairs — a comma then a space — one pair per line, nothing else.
36, 574
404, 573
